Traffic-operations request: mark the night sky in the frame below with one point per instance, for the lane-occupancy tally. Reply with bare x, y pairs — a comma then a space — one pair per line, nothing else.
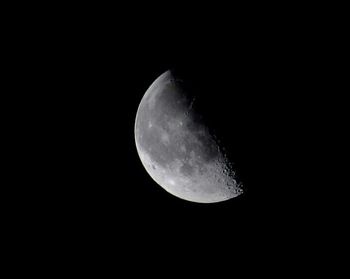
93, 196
102, 186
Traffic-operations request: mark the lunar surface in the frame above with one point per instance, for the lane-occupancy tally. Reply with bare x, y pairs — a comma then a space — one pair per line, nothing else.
177, 149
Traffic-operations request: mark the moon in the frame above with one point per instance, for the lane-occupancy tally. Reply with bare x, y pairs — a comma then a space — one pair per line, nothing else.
177, 148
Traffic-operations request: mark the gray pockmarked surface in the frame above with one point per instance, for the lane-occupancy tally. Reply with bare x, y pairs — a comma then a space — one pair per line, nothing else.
177, 149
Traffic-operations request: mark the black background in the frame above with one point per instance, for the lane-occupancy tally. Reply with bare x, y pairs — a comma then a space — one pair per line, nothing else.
90, 199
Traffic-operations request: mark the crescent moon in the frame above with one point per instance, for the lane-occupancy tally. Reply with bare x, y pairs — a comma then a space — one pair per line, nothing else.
177, 149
